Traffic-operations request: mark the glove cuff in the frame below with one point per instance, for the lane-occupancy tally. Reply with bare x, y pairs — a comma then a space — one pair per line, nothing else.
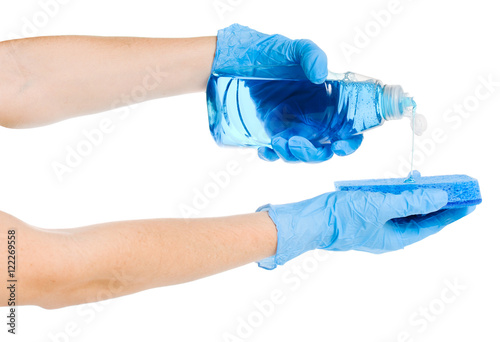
268, 263
233, 45
294, 236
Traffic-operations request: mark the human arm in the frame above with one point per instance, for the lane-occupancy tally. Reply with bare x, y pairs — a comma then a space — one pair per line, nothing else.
49, 79
61, 267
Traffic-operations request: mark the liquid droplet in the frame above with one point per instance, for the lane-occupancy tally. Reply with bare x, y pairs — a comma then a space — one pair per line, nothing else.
409, 179
412, 177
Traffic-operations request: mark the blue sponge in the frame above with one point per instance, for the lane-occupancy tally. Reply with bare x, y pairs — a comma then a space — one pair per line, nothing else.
462, 190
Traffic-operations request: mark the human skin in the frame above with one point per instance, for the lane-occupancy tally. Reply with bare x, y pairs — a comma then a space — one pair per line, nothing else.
48, 79
61, 267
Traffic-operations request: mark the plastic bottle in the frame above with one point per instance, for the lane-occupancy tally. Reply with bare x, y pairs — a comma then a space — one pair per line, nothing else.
251, 110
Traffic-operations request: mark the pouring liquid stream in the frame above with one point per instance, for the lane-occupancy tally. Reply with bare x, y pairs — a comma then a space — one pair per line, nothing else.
410, 178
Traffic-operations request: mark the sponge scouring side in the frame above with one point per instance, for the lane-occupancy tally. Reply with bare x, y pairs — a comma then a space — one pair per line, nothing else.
462, 190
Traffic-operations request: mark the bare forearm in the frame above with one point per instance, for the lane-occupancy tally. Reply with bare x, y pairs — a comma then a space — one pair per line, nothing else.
48, 79
170, 251
120, 258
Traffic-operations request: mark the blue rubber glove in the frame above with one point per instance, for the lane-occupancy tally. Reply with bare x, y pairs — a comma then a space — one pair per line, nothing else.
298, 149
239, 48
356, 220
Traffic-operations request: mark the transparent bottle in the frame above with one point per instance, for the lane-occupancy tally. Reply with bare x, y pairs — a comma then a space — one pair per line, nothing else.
250, 110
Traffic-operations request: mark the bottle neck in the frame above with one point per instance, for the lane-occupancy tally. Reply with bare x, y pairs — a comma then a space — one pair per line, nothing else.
395, 103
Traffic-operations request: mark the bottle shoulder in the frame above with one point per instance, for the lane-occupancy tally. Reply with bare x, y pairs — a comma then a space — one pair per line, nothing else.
351, 77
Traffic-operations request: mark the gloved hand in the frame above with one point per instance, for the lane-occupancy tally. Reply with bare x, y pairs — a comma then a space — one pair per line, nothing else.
239, 48
300, 149
356, 220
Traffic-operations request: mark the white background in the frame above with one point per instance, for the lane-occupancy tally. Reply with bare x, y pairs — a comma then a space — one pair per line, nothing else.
155, 160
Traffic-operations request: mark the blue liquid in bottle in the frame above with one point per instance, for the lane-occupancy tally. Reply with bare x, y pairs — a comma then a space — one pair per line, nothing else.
250, 111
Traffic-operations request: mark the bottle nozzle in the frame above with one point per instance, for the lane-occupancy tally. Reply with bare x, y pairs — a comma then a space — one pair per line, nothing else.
407, 104
397, 104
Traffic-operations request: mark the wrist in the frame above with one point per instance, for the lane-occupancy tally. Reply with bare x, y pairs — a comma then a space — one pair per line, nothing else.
301, 227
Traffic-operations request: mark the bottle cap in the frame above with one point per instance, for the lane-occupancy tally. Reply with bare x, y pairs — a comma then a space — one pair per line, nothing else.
418, 124
395, 103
